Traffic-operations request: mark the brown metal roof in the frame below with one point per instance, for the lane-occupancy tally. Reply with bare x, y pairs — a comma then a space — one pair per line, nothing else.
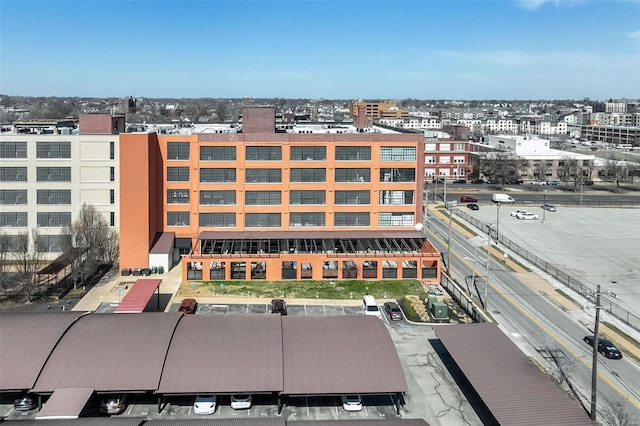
87, 421
65, 404
164, 245
243, 421
26, 340
224, 354
339, 355
138, 297
110, 352
360, 422
514, 389
278, 235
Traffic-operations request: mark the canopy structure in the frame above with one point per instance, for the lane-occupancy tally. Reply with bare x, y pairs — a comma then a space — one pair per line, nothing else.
65, 403
136, 300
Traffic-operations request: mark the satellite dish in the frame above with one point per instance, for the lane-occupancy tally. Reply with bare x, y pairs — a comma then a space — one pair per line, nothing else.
419, 227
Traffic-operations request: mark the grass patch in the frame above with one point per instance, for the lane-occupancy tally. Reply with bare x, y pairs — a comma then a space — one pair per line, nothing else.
463, 226
305, 289
566, 296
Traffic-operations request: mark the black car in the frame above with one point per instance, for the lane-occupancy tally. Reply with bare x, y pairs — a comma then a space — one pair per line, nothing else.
605, 347
478, 181
460, 181
25, 403
473, 206
393, 311
279, 306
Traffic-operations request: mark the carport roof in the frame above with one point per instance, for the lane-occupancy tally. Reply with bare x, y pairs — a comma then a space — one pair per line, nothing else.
108, 352
224, 354
247, 421
137, 298
86, 421
339, 355
26, 340
65, 403
360, 422
525, 395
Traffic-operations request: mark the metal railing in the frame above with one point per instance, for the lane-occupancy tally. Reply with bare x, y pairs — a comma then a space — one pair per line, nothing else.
461, 298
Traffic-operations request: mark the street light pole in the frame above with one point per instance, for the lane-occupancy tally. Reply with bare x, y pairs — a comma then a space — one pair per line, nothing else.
497, 219
544, 211
486, 285
594, 363
450, 211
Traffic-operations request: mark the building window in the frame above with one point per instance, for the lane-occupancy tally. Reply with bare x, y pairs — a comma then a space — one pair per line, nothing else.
262, 220
353, 175
351, 219
397, 197
396, 219
217, 197
53, 174
263, 176
217, 153
218, 220
53, 149
353, 153
458, 146
9, 149
306, 219
263, 153
13, 196
178, 150
54, 196
16, 242
397, 175
112, 196
177, 218
307, 197
308, 175
262, 198
217, 175
112, 174
14, 219
308, 153
397, 153
177, 196
13, 174
177, 174
112, 150
48, 244
352, 197
112, 219
54, 219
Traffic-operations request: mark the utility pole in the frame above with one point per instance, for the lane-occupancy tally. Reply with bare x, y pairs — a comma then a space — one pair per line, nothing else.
486, 286
498, 204
594, 363
544, 211
449, 207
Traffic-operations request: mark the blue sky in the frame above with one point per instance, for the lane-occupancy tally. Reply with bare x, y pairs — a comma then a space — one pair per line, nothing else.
424, 49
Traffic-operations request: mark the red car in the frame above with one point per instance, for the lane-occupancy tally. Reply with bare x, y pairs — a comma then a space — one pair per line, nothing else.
465, 199
188, 306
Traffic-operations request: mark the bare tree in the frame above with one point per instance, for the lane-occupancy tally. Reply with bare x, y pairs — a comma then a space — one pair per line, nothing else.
5, 262
615, 171
540, 172
28, 262
502, 166
569, 171
618, 414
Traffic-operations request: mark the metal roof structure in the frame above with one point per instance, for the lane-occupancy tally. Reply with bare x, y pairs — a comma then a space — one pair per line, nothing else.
87, 421
106, 352
164, 243
360, 422
514, 389
339, 355
65, 403
224, 354
32, 337
137, 298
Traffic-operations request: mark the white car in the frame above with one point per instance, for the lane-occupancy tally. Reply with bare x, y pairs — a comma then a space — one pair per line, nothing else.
351, 402
204, 404
241, 401
528, 216
515, 213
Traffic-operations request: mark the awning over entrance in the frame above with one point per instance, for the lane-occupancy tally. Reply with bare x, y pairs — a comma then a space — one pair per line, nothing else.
65, 403
139, 295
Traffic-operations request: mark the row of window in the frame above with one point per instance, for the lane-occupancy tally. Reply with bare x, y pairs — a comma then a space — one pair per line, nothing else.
266, 198
296, 175
43, 174
44, 219
44, 149
181, 151
303, 219
43, 196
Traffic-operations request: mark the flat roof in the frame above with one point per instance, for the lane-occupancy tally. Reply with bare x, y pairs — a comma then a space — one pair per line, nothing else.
138, 297
107, 352
516, 391
224, 354
26, 341
65, 403
339, 355
279, 235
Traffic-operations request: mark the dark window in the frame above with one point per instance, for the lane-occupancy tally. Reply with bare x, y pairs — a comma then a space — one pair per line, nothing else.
397, 197
112, 219
396, 219
262, 198
9, 149
177, 196
262, 220
351, 219
112, 196
353, 175
352, 197
307, 197
353, 153
177, 218
217, 175
112, 150
177, 174
53, 174
53, 149
178, 150
397, 175
16, 242
13, 196
397, 153
308, 153
218, 220
13, 219
264, 153
308, 175
263, 176
112, 174
48, 244
54, 196
217, 197
13, 174
54, 219
306, 219
217, 153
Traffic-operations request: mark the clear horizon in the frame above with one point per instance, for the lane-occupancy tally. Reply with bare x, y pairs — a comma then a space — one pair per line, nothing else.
421, 49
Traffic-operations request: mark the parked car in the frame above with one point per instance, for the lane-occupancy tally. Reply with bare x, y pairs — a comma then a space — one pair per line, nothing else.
370, 306
515, 213
393, 311
460, 181
351, 402
188, 306
241, 401
204, 404
535, 182
25, 403
467, 199
477, 181
549, 207
553, 182
279, 306
605, 347
528, 216
473, 206
114, 404
589, 182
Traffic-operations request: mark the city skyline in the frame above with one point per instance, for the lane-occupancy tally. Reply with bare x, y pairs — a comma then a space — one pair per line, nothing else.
510, 49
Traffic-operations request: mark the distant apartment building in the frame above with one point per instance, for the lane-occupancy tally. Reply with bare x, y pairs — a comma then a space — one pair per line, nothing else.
385, 109
446, 157
614, 135
540, 127
415, 123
